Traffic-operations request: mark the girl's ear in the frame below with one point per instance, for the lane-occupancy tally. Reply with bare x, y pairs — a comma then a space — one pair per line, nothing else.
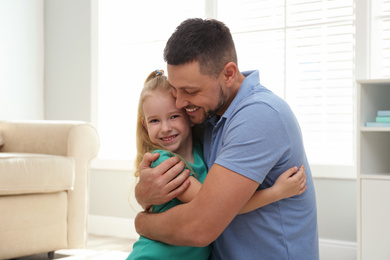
144, 124
230, 73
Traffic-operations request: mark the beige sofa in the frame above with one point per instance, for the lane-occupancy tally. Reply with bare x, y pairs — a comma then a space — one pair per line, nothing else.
44, 174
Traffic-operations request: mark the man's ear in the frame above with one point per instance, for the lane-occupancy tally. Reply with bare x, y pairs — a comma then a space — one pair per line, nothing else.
230, 73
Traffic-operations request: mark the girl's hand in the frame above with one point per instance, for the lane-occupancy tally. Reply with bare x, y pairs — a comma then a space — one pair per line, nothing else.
289, 184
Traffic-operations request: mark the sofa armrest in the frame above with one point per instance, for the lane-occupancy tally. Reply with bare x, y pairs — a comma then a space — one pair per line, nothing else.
50, 137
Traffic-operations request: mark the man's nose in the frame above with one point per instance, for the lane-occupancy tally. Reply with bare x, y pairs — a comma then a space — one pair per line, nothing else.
181, 102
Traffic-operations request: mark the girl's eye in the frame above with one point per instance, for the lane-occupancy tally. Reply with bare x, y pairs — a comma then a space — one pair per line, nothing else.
175, 116
153, 121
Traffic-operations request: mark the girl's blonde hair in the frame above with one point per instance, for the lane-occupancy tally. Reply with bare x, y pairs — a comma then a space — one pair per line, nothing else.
155, 81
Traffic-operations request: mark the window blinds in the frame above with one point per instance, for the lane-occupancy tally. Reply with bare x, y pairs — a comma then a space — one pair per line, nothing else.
380, 39
304, 50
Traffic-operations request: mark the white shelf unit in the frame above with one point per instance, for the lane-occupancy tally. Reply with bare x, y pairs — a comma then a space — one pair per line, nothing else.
373, 171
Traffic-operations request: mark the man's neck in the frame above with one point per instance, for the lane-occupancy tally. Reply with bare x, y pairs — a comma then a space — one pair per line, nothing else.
232, 92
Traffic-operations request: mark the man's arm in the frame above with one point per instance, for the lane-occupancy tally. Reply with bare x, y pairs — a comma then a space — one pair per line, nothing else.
202, 220
162, 183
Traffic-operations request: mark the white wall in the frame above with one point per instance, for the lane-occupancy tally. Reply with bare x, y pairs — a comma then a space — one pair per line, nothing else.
68, 59
21, 59
336, 209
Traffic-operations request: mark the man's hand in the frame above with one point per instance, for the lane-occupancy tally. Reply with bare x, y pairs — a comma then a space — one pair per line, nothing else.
160, 184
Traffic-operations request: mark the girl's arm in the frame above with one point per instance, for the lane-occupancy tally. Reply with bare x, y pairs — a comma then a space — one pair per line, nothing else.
285, 186
191, 191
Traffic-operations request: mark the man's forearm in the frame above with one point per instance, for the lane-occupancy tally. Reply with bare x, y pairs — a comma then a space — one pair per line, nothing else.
173, 227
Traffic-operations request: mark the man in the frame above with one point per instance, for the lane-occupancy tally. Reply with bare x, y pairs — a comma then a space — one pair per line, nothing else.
251, 136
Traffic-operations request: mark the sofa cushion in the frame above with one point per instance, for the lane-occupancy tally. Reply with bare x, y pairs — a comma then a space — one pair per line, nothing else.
22, 173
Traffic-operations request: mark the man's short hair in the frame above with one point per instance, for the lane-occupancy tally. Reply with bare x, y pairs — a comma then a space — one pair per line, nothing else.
207, 41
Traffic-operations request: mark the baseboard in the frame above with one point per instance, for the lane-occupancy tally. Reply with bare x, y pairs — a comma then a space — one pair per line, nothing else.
124, 227
112, 226
337, 250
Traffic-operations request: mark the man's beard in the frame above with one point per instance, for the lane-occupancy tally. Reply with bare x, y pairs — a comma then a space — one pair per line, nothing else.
221, 103
222, 100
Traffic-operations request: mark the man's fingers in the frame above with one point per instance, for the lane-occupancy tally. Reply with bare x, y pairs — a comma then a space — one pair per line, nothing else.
177, 180
148, 159
172, 180
166, 167
179, 190
172, 172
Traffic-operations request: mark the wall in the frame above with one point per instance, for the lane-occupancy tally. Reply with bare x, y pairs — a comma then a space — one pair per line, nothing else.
68, 59
111, 194
21, 59
336, 208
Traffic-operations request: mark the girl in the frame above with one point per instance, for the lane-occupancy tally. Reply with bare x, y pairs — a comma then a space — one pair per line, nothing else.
163, 129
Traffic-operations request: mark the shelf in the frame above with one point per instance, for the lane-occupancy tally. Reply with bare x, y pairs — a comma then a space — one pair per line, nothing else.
374, 82
374, 129
375, 176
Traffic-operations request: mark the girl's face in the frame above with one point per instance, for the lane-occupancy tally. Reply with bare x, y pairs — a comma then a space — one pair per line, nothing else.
167, 126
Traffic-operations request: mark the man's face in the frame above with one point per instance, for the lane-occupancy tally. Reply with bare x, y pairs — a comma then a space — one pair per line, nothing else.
200, 95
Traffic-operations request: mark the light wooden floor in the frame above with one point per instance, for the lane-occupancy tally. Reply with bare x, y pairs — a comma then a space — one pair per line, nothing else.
98, 247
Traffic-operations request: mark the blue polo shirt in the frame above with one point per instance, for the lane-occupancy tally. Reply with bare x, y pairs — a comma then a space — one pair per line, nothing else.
259, 137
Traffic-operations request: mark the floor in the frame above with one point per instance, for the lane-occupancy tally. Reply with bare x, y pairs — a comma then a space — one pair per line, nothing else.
98, 247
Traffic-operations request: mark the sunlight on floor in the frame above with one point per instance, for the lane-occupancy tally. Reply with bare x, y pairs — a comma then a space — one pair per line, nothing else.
98, 247
90, 254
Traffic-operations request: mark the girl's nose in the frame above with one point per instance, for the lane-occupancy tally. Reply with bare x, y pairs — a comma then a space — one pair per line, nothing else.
166, 126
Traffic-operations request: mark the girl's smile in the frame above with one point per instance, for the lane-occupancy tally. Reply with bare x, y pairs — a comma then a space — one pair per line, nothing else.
169, 138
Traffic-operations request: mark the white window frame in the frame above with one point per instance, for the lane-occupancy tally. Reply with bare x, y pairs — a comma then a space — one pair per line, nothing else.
362, 71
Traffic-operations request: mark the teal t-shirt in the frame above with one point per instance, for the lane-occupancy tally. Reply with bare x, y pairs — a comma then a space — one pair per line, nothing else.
147, 249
